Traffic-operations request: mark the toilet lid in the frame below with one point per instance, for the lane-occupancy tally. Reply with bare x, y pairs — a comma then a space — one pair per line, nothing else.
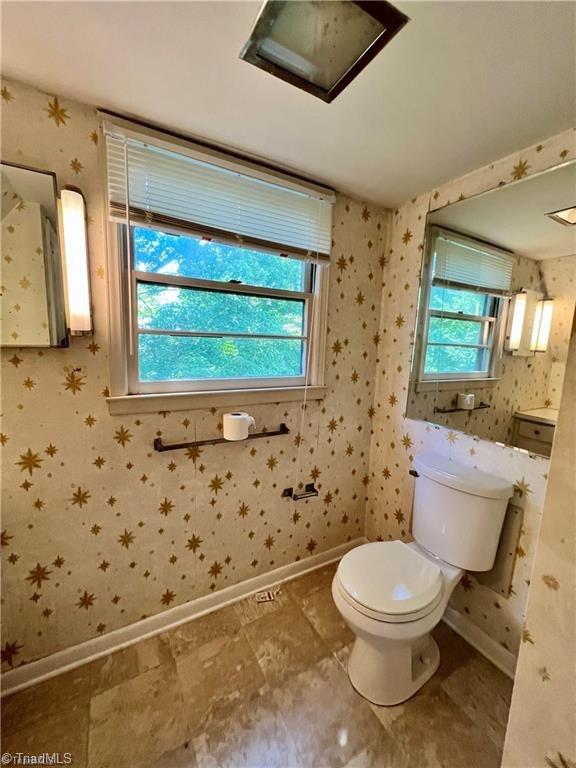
390, 578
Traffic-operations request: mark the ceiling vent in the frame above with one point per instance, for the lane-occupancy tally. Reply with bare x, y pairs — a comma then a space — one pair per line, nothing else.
320, 46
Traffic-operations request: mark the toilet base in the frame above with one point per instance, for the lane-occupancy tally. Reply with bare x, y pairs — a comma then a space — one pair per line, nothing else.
389, 673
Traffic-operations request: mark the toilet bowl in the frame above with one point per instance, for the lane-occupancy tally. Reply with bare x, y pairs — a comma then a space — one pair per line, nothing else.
393, 594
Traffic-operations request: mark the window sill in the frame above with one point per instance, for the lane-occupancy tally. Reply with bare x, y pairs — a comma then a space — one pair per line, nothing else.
447, 385
188, 401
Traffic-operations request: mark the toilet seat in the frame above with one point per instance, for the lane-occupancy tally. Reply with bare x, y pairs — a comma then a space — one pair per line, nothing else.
389, 582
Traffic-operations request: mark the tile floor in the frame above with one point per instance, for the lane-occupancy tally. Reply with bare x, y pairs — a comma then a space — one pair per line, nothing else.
260, 686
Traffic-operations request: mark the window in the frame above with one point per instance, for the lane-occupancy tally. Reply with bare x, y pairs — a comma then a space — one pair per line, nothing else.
208, 311
464, 296
222, 270
460, 333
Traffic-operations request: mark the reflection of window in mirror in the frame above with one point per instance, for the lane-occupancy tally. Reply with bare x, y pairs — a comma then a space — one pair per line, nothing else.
496, 304
464, 302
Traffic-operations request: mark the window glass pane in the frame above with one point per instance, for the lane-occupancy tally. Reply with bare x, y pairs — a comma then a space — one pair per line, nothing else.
453, 300
172, 308
173, 358
441, 359
444, 329
188, 256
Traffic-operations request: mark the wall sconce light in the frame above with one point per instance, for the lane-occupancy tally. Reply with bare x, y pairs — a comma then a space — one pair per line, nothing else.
542, 325
76, 262
518, 312
521, 321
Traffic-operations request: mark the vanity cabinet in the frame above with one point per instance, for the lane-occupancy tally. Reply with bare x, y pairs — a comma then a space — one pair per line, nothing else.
534, 430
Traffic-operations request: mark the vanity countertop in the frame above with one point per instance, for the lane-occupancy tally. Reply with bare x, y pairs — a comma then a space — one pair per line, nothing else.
539, 415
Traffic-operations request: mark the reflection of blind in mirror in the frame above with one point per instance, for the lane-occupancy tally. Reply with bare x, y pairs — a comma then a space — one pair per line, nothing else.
459, 263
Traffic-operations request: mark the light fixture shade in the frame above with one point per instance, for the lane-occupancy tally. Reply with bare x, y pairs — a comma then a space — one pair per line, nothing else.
542, 325
518, 310
76, 262
320, 46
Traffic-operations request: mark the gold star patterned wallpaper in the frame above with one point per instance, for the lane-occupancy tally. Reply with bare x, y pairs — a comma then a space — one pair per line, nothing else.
540, 728
98, 530
559, 275
396, 439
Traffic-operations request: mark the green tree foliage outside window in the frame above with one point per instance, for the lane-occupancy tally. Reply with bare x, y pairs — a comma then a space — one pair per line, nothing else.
175, 308
445, 334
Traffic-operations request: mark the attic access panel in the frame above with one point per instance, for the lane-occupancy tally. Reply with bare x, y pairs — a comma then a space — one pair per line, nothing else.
320, 46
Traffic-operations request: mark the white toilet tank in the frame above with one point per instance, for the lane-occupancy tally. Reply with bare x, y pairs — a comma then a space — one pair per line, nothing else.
458, 511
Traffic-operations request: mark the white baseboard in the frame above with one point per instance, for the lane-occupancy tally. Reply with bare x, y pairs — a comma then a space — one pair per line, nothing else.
486, 645
36, 671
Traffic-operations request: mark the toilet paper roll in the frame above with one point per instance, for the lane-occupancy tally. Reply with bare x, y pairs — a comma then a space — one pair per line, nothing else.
236, 425
466, 401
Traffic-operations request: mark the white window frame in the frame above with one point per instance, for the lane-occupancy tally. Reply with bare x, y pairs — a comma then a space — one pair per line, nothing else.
120, 287
490, 325
492, 331
128, 395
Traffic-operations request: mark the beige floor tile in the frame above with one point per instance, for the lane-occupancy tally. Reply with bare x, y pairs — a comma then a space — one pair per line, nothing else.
433, 731
331, 725
129, 662
476, 686
285, 643
246, 731
483, 693
249, 610
63, 728
310, 582
261, 686
321, 612
383, 753
213, 628
455, 652
181, 757
35, 703
219, 668
137, 721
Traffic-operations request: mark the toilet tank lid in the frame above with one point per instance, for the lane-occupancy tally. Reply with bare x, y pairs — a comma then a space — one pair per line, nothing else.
467, 479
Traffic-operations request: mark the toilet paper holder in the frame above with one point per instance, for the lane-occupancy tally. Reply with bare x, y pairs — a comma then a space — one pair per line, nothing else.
161, 446
309, 491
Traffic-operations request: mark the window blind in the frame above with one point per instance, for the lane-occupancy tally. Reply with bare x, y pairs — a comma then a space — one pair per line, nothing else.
172, 188
466, 263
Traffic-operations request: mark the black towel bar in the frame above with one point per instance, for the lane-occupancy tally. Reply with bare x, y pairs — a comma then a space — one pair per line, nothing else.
160, 446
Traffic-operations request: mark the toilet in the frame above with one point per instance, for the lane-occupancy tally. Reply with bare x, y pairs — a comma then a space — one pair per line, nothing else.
393, 594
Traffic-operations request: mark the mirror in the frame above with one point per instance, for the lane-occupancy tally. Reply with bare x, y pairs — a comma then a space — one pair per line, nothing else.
33, 313
495, 311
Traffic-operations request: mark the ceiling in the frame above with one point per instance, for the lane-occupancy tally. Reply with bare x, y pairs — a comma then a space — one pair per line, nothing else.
463, 84
514, 216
